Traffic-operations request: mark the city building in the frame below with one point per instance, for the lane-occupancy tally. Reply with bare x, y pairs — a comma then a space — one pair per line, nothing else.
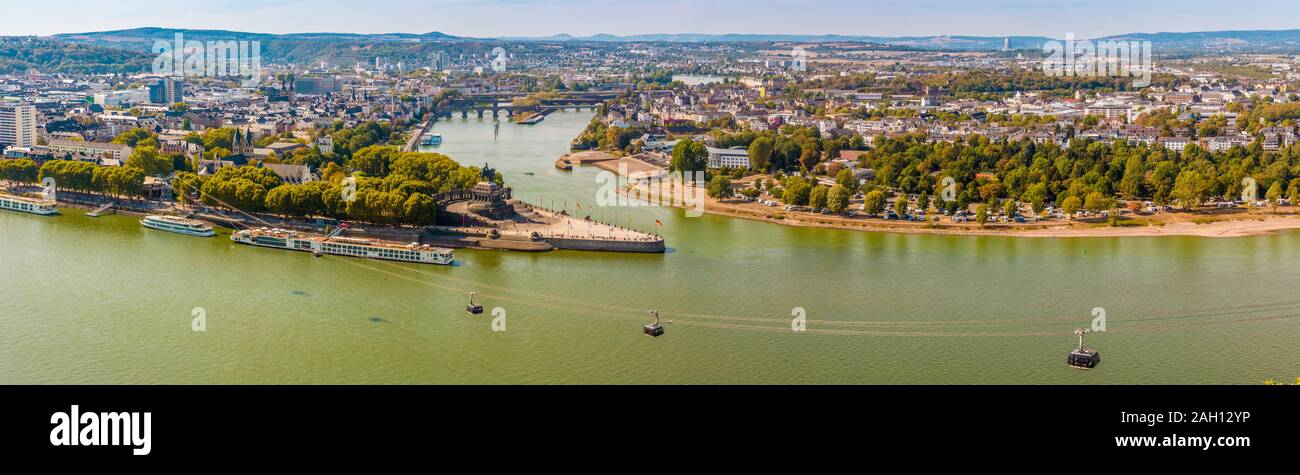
17, 125
89, 150
317, 86
167, 91
728, 158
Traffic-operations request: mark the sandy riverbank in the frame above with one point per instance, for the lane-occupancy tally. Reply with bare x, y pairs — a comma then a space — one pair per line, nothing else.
1216, 223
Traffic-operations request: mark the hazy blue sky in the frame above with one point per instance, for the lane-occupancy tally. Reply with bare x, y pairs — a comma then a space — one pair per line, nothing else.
486, 18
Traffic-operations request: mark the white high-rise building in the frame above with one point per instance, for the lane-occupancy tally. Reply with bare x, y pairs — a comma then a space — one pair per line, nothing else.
17, 125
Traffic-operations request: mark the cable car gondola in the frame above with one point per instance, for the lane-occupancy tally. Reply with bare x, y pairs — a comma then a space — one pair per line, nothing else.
473, 308
654, 329
1083, 358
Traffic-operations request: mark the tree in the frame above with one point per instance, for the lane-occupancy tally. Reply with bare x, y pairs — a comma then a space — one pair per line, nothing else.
900, 206
760, 152
1274, 194
1011, 209
818, 197
349, 140
420, 209
798, 193
838, 199
280, 201
1097, 202
689, 156
1036, 195
1131, 185
20, 171
375, 160
133, 137
810, 155
150, 161
923, 202
845, 179
185, 186
982, 214
216, 153
719, 187
874, 202
1070, 205
1190, 189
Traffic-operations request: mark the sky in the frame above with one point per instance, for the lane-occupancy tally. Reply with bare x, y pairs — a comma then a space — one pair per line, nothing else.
495, 18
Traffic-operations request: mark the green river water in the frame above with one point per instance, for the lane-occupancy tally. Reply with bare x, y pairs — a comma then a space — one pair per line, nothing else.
85, 300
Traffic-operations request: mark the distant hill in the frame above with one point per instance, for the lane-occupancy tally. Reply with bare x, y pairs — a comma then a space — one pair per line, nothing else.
1232, 40
115, 51
1245, 40
19, 54
143, 38
302, 48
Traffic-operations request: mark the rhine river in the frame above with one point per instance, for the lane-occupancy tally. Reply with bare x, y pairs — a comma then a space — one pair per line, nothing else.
85, 300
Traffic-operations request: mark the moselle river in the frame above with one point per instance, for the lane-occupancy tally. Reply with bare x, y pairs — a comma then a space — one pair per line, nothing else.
85, 300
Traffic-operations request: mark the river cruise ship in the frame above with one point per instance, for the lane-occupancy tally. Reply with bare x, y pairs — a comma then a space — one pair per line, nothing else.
173, 224
29, 205
340, 246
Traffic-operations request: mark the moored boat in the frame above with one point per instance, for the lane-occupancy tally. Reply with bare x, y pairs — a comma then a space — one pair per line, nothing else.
431, 140
341, 246
29, 205
173, 224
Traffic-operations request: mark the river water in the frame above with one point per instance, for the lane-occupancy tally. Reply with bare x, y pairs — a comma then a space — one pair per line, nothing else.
86, 300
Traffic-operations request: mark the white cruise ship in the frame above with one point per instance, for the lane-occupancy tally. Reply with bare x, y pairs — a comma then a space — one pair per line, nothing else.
29, 205
173, 224
320, 245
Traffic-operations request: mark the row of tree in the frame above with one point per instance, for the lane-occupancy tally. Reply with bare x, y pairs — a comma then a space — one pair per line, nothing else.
983, 171
20, 171
390, 188
90, 178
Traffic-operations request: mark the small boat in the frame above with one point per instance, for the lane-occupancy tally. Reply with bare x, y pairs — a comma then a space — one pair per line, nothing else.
173, 224
431, 140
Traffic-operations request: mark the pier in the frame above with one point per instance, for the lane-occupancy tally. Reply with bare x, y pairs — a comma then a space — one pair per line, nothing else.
101, 210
